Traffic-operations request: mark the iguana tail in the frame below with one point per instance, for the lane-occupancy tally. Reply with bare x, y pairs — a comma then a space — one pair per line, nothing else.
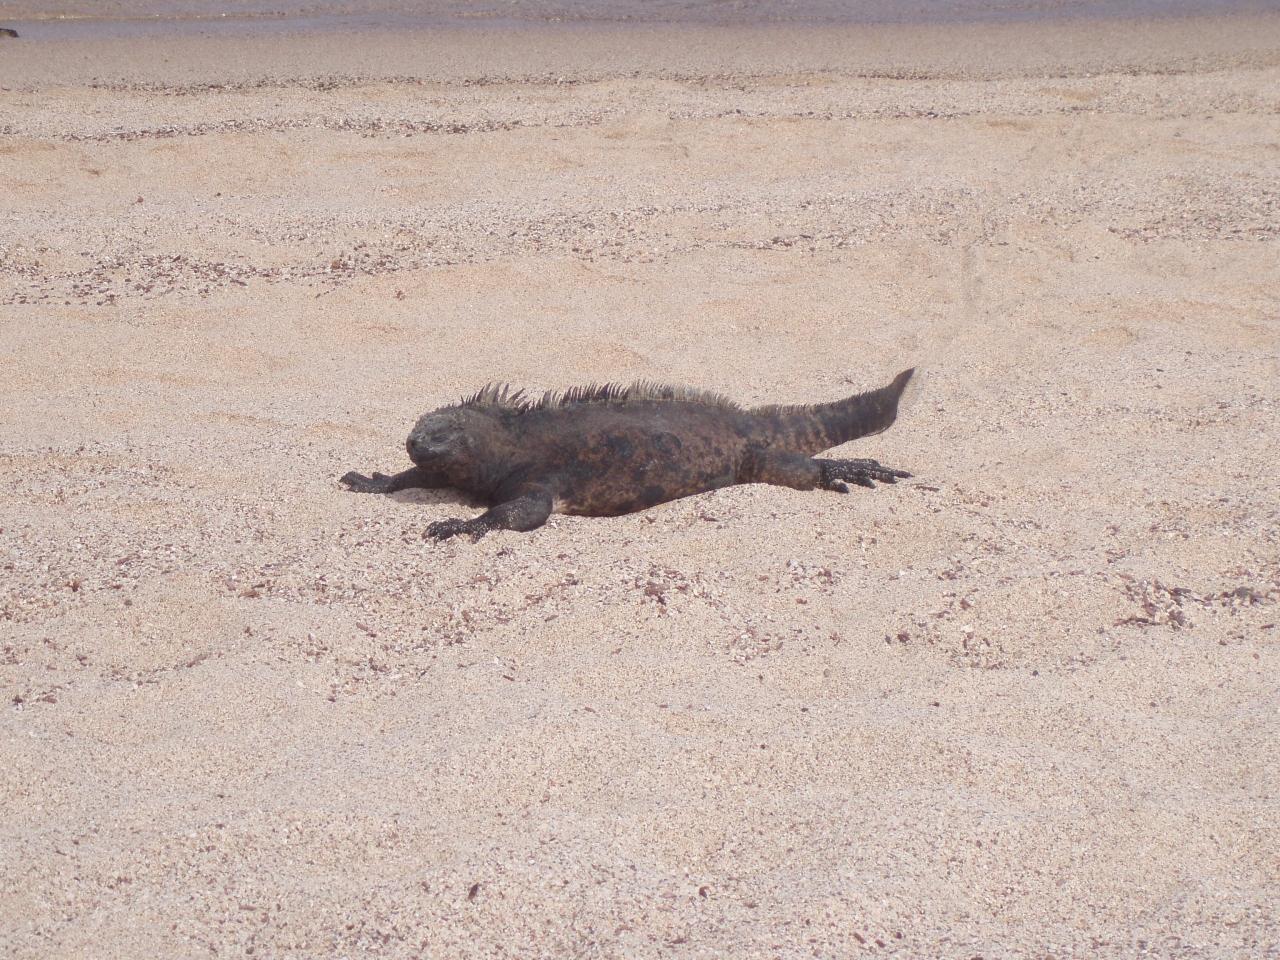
812, 428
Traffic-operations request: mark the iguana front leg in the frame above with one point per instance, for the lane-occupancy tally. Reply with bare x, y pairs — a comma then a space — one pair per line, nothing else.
382, 483
525, 512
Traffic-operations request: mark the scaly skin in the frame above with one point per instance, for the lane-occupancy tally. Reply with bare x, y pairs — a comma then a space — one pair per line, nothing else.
604, 451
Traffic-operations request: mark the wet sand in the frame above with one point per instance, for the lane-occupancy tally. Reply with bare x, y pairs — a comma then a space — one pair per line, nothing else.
1022, 705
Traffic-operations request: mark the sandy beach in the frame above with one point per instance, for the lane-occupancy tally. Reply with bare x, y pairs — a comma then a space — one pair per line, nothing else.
1024, 704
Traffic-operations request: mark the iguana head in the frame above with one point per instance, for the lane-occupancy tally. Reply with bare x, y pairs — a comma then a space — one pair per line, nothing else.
463, 444
437, 437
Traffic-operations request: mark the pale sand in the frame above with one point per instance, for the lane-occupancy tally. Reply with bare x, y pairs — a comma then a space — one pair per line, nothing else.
1023, 705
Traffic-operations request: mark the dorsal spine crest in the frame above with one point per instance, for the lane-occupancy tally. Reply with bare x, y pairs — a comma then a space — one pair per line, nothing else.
504, 396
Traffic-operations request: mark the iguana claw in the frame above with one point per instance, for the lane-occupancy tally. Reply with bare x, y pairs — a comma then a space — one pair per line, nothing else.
838, 474
444, 529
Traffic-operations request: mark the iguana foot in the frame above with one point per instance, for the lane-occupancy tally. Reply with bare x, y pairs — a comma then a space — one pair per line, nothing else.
382, 483
528, 511
838, 474
359, 483
444, 529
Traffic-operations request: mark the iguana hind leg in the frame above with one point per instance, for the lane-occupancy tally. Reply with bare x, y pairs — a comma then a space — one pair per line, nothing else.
782, 468
796, 470
526, 512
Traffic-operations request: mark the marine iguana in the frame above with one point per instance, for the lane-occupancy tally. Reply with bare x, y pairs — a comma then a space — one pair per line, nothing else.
606, 450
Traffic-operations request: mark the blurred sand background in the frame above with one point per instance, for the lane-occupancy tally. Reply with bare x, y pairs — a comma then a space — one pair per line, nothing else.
1023, 705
